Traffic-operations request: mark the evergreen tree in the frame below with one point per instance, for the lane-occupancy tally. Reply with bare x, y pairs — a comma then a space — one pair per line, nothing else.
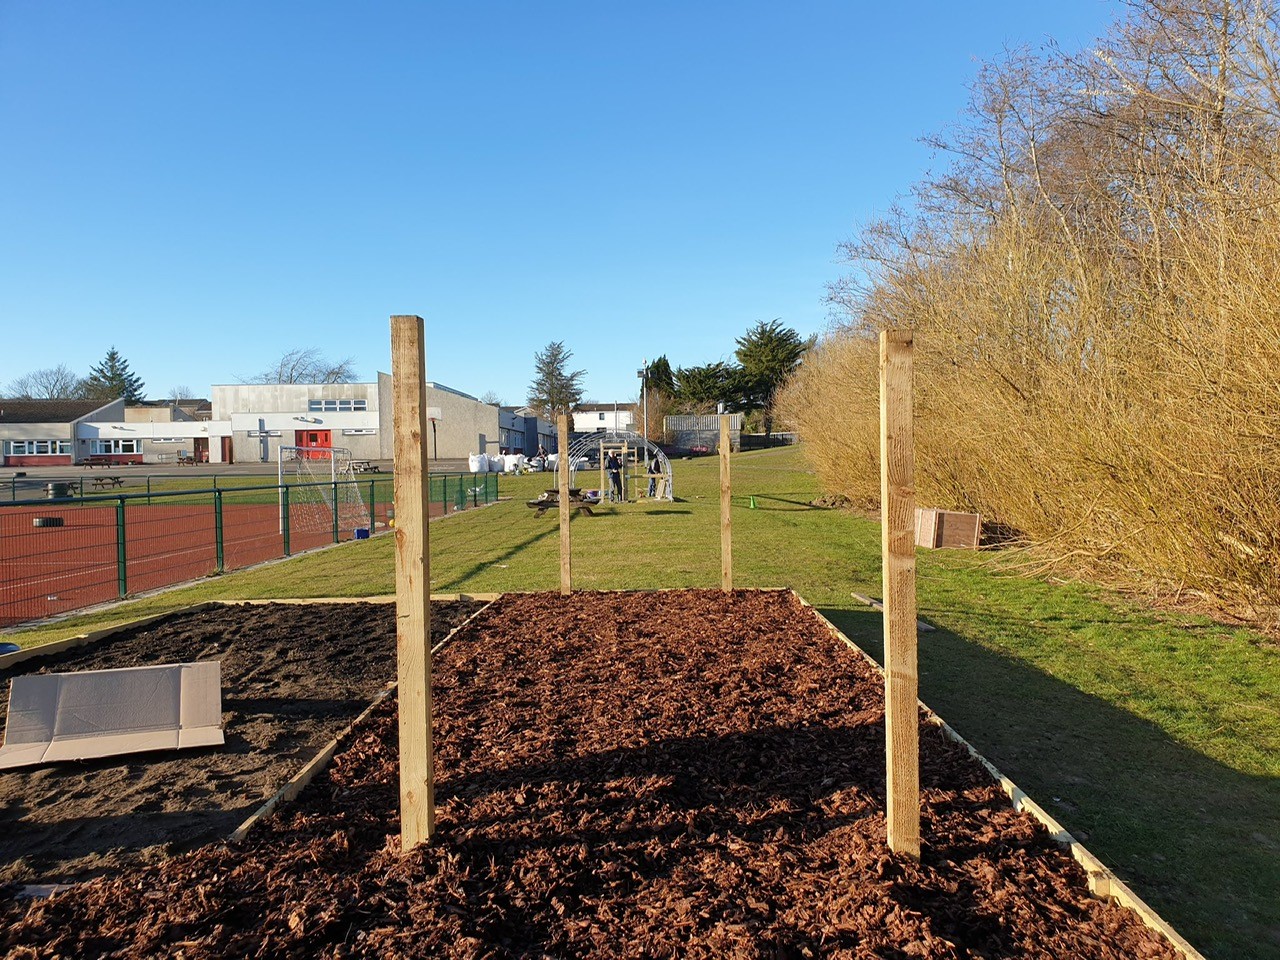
769, 353
661, 376
554, 389
111, 380
701, 389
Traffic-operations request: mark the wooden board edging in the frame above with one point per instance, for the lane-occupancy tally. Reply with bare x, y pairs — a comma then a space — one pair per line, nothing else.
81, 639
1103, 883
93, 636
295, 784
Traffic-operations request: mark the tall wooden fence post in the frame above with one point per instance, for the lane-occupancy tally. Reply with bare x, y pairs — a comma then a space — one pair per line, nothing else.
566, 559
413, 582
726, 523
897, 518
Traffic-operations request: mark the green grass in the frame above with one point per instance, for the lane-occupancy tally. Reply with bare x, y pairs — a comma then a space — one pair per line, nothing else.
1153, 737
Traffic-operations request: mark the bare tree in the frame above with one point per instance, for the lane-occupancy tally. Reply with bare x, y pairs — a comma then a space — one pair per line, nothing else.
491, 397
306, 365
181, 392
51, 383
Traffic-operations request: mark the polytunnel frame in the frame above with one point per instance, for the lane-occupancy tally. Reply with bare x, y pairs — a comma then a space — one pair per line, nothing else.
579, 448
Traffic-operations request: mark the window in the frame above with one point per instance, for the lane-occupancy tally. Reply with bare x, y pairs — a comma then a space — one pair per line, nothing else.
360, 432
601, 416
336, 406
100, 447
270, 433
169, 439
37, 448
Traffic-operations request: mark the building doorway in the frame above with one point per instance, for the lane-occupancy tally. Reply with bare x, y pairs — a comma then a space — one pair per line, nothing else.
313, 438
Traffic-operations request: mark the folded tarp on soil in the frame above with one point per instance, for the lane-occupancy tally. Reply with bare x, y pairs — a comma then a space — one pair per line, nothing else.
105, 713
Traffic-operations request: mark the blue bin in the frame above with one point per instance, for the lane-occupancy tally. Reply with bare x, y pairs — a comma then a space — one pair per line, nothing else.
362, 533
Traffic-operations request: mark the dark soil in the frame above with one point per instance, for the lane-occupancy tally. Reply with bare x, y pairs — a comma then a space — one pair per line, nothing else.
292, 678
681, 774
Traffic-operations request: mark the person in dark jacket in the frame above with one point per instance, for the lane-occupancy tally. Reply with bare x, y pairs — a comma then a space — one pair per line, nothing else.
614, 466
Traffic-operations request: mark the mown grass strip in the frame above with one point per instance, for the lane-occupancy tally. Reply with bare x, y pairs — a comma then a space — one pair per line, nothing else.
1153, 737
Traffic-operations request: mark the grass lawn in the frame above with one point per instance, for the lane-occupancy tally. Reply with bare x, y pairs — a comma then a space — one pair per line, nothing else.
1154, 738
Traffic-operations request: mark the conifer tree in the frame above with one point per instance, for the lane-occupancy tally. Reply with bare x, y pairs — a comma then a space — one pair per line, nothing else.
111, 379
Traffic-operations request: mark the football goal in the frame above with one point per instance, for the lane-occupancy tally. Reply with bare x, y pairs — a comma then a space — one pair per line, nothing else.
323, 495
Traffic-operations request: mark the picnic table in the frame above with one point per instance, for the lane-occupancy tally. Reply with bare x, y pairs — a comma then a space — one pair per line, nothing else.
364, 466
187, 461
102, 483
577, 501
98, 460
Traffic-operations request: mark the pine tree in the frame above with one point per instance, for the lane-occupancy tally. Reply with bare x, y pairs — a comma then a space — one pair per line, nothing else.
769, 353
111, 380
554, 389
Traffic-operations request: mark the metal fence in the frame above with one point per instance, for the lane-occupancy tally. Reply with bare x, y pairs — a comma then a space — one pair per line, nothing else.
63, 552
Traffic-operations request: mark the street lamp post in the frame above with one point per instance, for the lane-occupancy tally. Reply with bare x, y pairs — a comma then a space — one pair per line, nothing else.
643, 374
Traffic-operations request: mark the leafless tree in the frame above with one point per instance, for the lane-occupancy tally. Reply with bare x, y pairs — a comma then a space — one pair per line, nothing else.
51, 383
306, 365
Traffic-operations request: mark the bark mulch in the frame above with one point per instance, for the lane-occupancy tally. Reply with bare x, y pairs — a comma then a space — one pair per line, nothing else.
681, 774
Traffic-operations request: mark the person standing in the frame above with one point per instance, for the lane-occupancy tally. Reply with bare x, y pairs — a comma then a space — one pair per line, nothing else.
614, 467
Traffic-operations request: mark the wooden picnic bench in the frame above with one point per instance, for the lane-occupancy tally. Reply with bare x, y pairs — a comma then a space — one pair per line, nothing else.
187, 461
102, 483
577, 501
98, 460
364, 466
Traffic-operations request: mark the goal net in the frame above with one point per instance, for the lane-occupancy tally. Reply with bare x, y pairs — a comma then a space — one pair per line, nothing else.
322, 487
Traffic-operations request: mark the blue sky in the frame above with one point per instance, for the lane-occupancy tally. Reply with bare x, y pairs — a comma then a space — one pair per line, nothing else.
207, 185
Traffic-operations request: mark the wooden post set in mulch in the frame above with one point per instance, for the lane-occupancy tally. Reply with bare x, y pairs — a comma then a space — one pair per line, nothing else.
413, 579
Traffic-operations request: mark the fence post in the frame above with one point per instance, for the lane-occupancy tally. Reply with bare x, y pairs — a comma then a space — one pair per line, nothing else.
284, 517
373, 513
562, 469
335, 511
475, 499
444, 494
897, 516
122, 573
217, 527
726, 520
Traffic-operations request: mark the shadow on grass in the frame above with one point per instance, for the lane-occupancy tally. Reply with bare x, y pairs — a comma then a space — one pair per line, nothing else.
1197, 840
462, 577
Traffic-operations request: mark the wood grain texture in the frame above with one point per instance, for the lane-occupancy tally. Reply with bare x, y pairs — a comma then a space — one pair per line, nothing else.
897, 510
566, 547
413, 582
726, 522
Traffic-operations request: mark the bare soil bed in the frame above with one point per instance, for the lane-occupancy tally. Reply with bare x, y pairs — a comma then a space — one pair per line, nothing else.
681, 774
292, 678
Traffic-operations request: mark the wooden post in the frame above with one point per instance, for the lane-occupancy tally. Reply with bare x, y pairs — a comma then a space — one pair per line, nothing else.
726, 524
566, 562
413, 582
603, 493
897, 512
623, 472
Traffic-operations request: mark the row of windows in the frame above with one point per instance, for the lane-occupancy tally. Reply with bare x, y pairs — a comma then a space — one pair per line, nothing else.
100, 447
36, 448
339, 406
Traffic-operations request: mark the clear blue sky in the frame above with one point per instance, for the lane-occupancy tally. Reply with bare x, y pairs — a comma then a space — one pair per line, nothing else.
206, 185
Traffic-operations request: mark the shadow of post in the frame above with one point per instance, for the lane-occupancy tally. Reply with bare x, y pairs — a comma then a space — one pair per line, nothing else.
1196, 839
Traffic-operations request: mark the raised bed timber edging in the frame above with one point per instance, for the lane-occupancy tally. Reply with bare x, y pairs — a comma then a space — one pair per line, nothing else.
316, 764
1103, 883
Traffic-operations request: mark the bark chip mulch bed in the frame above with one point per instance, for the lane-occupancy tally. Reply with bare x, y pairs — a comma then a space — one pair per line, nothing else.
681, 774
292, 678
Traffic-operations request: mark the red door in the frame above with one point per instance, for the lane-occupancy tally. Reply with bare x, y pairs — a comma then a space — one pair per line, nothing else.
313, 438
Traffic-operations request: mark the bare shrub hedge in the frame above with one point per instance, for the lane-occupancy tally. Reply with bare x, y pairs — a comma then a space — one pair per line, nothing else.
1095, 289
